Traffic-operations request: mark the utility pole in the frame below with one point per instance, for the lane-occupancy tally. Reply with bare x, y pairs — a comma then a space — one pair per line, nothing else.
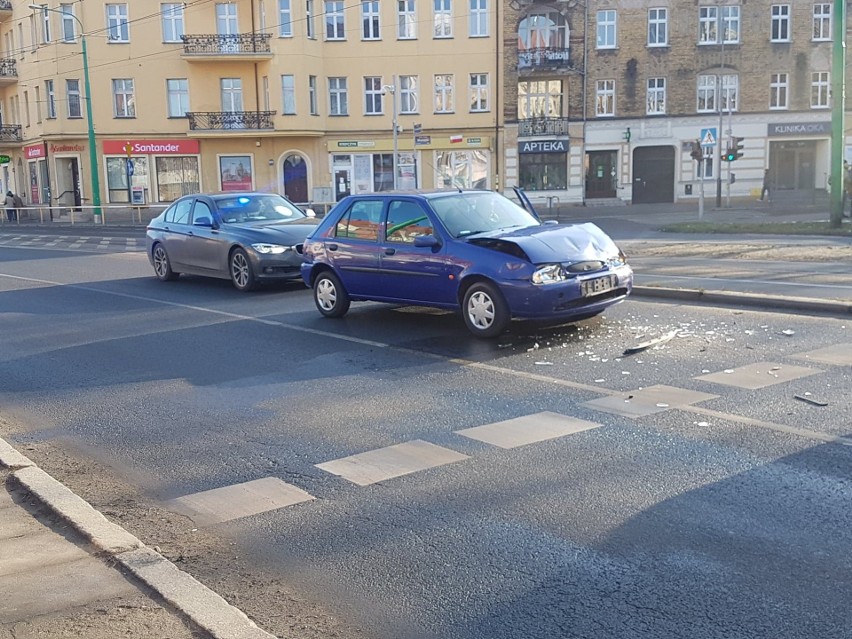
838, 104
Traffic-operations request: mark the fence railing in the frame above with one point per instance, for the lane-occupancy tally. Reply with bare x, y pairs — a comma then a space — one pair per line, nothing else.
85, 214
227, 120
226, 44
543, 126
8, 68
10, 133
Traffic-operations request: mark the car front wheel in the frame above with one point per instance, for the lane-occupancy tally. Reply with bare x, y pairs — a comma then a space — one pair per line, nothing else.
331, 298
485, 311
242, 274
162, 265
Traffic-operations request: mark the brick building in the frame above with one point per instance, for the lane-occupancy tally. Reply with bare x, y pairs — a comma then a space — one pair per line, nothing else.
604, 97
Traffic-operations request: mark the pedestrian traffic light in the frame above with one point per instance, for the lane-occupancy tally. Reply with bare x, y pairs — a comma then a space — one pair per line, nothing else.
735, 150
697, 154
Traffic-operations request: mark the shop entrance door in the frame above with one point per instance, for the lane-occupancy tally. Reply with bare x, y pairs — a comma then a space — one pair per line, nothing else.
653, 174
295, 174
600, 174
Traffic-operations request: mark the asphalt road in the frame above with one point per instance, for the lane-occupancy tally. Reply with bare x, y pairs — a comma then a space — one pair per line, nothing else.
659, 514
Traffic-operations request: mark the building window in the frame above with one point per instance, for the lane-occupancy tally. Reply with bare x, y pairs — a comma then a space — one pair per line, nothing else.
285, 19
543, 171
780, 23
176, 176
656, 96
334, 22
312, 95
172, 15
408, 102
118, 190
705, 168
606, 30
819, 90
443, 18
370, 20
443, 94
69, 26
461, 169
542, 37
778, 89
178, 97
406, 20
822, 21
27, 108
539, 99
373, 95
50, 96
122, 97
658, 31
288, 94
45, 26
231, 90
309, 20
227, 22
118, 27
710, 31
708, 25
338, 97
72, 91
478, 18
605, 98
706, 93
730, 93
478, 92
38, 104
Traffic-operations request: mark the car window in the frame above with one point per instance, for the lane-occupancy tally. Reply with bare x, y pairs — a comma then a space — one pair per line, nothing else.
406, 220
201, 212
179, 212
478, 212
361, 221
257, 207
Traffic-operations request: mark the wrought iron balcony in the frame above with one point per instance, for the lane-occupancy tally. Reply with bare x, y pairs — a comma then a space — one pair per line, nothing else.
542, 126
10, 133
545, 58
8, 71
230, 120
5, 8
243, 45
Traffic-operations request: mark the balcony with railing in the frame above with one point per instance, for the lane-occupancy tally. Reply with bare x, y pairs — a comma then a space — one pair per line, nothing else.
545, 58
5, 9
237, 46
542, 126
231, 120
10, 134
8, 71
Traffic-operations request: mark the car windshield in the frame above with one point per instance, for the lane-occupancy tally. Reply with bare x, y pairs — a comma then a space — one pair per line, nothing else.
267, 207
470, 213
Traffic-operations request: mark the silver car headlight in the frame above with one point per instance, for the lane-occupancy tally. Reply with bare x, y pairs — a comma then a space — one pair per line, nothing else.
267, 249
549, 274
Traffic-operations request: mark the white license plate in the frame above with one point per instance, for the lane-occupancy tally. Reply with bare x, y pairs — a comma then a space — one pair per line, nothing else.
598, 285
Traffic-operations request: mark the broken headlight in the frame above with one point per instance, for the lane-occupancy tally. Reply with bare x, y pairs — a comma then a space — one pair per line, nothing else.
549, 274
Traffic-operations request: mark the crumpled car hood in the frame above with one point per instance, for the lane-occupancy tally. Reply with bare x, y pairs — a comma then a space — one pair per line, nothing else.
559, 242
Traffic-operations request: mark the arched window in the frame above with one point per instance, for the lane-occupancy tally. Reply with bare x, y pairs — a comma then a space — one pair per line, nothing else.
542, 37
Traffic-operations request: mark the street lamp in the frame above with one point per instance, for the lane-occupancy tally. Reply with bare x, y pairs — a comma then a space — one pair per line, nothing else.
93, 154
391, 88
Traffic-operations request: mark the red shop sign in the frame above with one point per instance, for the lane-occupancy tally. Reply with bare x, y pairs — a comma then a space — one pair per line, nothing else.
35, 151
152, 147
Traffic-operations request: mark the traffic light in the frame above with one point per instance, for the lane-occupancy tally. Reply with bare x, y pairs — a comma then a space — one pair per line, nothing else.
697, 154
735, 150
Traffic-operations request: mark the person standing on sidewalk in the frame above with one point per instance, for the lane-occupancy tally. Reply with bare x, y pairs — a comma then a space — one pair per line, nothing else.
767, 186
10, 207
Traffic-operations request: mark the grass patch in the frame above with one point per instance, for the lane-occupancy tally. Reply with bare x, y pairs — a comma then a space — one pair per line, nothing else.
767, 228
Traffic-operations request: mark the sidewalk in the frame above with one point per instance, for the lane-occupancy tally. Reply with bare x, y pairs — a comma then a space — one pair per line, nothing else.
66, 571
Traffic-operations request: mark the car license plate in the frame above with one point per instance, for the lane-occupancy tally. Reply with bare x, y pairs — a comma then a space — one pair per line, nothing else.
598, 285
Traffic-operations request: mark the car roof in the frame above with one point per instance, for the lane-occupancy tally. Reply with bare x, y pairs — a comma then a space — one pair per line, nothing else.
424, 193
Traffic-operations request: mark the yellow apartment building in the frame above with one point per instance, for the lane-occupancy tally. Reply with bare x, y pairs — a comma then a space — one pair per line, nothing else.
307, 98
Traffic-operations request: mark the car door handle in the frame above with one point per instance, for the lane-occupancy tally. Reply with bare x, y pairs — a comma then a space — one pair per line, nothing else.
390, 251
332, 247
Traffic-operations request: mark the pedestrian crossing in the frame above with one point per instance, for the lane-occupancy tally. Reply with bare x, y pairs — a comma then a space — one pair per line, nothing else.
370, 467
92, 243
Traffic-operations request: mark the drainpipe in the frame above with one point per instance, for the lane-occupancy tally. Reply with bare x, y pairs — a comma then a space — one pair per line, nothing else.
497, 23
585, 72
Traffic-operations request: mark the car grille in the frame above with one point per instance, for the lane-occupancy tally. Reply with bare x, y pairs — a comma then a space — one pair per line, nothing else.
583, 267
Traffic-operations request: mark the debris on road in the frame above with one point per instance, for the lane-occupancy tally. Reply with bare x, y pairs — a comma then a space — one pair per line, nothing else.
651, 342
809, 400
788, 332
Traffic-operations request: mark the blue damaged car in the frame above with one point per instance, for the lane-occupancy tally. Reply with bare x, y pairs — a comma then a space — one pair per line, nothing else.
473, 251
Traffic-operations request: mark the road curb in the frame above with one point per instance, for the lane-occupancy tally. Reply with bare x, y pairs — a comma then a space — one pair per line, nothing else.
764, 302
192, 599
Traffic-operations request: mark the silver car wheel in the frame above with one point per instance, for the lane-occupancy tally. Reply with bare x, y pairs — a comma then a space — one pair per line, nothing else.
480, 310
161, 262
240, 270
326, 294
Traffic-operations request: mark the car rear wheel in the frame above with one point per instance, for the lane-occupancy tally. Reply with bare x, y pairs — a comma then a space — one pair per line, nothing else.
162, 265
242, 274
331, 298
485, 311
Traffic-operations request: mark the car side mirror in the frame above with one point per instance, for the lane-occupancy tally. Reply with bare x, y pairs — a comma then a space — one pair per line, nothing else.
203, 221
427, 241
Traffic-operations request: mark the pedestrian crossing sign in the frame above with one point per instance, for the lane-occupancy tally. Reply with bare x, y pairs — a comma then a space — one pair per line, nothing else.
708, 137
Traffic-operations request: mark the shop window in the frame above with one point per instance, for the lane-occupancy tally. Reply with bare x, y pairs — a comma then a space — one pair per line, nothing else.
543, 171
118, 189
176, 177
